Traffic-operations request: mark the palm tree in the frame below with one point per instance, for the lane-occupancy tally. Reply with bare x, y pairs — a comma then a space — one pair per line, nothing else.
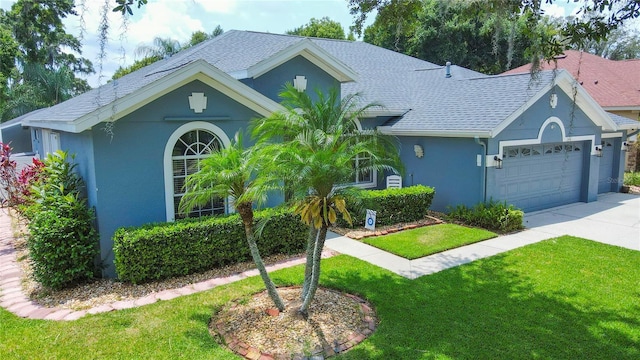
316, 158
231, 173
162, 47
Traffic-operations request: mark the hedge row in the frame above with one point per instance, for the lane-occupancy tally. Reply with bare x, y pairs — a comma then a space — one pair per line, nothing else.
494, 216
160, 251
392, 206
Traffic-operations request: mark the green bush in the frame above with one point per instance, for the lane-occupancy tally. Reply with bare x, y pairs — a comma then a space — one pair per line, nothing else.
632, 178
159, 251
392, 206
62, 242
495, 216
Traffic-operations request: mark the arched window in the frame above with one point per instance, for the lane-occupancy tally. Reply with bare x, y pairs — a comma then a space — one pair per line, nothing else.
188, 145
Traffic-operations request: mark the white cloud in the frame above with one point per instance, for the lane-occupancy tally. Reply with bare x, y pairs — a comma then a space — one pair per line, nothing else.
218, 6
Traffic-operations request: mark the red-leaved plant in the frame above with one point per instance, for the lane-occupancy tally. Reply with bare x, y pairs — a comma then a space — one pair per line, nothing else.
16, 185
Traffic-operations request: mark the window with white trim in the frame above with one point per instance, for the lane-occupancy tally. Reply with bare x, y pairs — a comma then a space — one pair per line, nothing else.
191, 148
363, 178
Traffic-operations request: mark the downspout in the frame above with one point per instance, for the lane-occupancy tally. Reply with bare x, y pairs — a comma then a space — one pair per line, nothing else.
484, 167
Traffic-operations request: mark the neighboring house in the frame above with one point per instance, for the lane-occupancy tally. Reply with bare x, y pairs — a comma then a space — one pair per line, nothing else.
614, 85
472, 137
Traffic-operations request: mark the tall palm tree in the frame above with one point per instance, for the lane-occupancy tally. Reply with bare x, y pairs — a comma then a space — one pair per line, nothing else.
162, 47
231, 172
316, 158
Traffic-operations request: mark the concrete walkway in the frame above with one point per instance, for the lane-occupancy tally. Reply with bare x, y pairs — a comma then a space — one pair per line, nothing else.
614, 219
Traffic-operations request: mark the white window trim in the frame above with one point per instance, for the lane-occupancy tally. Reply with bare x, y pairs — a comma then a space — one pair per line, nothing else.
374, 174
168, 165
369, 184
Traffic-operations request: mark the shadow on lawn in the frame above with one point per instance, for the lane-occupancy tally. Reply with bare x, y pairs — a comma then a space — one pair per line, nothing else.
482, 310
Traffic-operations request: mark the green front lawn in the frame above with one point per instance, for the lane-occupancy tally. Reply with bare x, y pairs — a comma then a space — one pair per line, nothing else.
565, 298
427, 240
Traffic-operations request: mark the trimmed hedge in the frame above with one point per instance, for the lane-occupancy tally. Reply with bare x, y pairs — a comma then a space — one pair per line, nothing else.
392, 206
494, 215
159, 251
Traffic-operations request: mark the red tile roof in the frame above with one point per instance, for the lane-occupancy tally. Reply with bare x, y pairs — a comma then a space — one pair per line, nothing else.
611, 83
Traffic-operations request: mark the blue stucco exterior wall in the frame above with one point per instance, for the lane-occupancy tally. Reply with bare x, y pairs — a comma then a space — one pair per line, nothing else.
449, 165
576, 124
129, 166
80, 146
527, 125
271, 83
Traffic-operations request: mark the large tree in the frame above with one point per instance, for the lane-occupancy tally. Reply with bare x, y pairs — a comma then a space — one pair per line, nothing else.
321, 28
610, 15
233, 173
317, 159
44, 71
439, 31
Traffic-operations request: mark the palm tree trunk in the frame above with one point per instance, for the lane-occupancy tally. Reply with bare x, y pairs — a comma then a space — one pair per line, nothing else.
315, 271
311, 241
246, 214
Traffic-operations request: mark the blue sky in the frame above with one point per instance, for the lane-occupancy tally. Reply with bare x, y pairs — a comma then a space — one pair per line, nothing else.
177, 19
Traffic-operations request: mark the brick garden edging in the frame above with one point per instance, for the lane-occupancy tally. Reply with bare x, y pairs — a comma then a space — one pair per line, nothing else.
393, 229
252, 353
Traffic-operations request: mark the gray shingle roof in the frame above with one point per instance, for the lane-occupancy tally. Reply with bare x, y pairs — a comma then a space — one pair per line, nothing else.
468, 101
623, 121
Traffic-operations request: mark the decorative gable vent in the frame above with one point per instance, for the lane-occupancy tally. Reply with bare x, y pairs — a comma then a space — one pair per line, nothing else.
197, 102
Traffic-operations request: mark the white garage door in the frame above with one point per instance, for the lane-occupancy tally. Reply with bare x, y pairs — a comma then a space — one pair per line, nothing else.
536, 177
606, 176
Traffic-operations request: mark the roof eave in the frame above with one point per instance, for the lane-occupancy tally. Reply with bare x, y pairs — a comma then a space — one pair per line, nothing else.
389, 130
622, 108
197, 70
584, 101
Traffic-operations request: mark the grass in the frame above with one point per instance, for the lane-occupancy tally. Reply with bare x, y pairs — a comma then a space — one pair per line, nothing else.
632, 178
427, 240
564, 298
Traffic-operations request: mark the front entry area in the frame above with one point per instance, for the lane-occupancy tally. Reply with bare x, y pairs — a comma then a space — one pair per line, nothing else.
541, 176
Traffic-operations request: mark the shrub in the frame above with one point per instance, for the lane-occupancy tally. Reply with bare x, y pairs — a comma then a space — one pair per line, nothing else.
62, 242
159, 251
16, 187
392, 206
632, 178
495, 216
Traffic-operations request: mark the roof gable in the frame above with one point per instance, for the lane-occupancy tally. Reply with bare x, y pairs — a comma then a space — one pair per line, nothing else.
196, 70
615, 85
310, 51
583, 101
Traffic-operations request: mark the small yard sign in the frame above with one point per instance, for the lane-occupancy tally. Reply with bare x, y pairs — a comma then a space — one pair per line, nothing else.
370, 221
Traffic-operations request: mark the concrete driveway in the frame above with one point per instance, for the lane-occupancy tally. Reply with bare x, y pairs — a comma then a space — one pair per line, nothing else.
614, 219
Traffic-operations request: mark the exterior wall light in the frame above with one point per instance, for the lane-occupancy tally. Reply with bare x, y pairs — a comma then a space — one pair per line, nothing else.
300, 83
625, 146
498, 162
197, 102
419, 151
598, 150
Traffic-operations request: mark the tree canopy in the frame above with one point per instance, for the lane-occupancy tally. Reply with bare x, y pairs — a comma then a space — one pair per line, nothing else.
321, 28
609, 15
36, 67
161, 48
439, 31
